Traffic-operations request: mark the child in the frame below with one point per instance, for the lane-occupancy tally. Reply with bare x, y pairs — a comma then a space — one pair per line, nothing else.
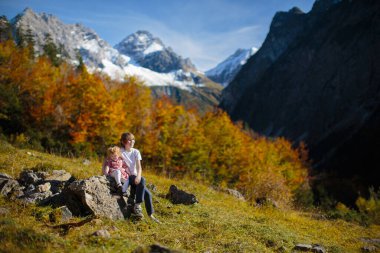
117, 168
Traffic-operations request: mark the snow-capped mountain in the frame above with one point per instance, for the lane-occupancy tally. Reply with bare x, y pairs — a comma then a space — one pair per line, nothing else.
146, 57
225, 71
96, 53
151, 53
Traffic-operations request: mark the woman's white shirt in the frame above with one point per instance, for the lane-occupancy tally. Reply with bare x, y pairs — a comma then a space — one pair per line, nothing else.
131, 158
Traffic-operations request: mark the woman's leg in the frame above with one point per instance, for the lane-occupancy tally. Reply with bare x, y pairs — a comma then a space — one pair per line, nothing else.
140, 188
148, 202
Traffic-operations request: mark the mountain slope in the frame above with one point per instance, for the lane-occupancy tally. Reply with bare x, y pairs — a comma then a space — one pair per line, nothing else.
225, 71
218, 223
322, 88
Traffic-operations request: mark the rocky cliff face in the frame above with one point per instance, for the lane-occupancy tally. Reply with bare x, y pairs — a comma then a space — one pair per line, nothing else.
284, 28
316, 79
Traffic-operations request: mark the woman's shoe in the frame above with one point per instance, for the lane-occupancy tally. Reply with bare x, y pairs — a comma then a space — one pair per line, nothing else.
137, 210
154, 219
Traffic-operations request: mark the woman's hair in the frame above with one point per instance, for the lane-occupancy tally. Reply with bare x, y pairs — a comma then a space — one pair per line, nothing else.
115, 150
125, 137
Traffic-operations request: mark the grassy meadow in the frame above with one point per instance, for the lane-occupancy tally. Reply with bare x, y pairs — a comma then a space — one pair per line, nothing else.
218, 223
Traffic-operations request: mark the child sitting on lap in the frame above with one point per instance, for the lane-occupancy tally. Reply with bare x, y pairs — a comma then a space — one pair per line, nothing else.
115, 166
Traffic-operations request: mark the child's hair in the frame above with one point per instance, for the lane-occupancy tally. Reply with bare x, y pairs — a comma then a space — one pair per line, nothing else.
125, 137
113, 150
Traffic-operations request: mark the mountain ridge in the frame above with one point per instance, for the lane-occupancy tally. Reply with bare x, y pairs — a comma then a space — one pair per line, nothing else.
101, 57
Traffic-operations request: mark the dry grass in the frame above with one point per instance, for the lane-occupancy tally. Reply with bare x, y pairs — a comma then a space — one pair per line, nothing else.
218, 223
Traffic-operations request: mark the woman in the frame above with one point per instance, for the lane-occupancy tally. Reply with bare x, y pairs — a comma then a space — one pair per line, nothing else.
132, 157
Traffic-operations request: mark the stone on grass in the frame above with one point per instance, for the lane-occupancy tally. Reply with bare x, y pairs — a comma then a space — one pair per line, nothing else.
28, 177
234, 193
8, 185
264, 201
369, 248
43, 187
154, 248
57, 175
61, 214
3, 210
36, 197
102, 233
4, 175
177, 196
303, 247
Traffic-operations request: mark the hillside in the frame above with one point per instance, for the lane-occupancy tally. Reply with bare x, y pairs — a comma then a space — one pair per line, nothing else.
218, 223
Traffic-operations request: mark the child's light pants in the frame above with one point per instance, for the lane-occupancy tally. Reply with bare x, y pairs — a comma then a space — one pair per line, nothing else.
116, 174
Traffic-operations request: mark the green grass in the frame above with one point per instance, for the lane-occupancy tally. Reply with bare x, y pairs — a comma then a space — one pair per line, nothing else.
218, 223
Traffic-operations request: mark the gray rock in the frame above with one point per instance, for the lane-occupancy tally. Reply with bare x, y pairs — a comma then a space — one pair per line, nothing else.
61, 214
4, 175
28, 177
318, 249
57, 175
369, 248
102, 233
7, 186
371, 240
93, 196
65, 213
151, 187
264, 201
154, 248
3, 210
43, 187
303, 247
30, 189
234, 193
86, 162
177, 196
312, 248
36, 197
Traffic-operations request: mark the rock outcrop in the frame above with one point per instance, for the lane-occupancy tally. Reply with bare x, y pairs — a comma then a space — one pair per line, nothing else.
93, 196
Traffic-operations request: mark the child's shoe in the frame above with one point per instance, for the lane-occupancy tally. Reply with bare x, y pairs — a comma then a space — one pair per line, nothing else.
120, 189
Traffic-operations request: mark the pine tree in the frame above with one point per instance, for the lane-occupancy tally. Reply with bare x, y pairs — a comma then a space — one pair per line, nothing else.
5, 29
51, 50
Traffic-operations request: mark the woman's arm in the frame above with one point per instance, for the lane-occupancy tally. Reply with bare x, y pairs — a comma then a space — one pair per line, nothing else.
139, 172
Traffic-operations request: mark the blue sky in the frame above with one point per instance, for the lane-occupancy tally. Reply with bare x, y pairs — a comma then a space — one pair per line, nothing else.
207, 31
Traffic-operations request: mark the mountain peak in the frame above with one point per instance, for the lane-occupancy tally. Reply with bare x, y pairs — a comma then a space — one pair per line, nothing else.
296, 10
149, 52
323, 5
139, 44
225, 71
